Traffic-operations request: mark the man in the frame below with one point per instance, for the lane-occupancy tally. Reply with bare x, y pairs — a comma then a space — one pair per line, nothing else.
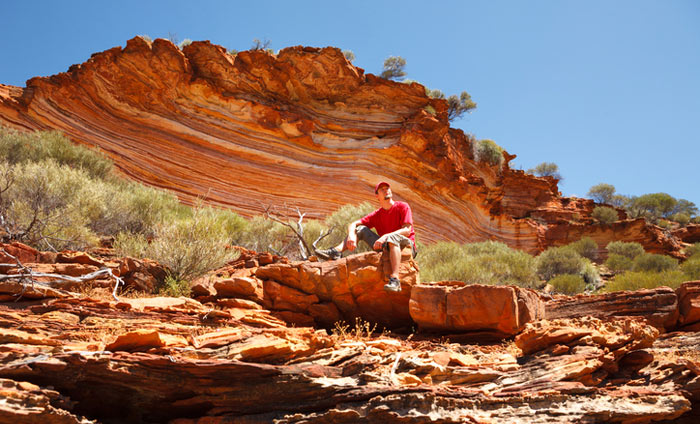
393, 222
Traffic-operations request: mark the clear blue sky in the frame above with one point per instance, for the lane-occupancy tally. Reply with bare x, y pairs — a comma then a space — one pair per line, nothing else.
607, 89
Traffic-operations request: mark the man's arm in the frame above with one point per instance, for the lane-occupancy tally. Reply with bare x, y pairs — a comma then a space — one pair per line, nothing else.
403, 231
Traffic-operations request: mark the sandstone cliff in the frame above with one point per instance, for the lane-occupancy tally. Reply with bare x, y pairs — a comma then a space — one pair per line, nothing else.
304, 127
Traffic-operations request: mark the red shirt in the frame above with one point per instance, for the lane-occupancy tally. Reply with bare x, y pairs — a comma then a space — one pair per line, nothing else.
389, 220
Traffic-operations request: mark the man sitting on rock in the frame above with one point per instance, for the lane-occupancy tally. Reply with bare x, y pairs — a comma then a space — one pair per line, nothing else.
393, 222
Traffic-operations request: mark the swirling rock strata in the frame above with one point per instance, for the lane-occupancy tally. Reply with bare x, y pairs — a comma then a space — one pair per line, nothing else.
303, 127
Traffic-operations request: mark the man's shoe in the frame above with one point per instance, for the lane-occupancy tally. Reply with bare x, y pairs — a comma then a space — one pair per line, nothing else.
393, 285
328, 254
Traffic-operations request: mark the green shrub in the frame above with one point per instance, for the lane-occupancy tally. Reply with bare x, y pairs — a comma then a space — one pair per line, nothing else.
39, 205
189, 247
618, 263
559, 260
604, 214
682, 218
665, 224
628, 249
568, 284
590, 275
174, 287
691, 268
488, 151
264, 235
693, 250
478, 263
22, 147
341, 218
585, 247
602, 193
645, 280
546, 169
652, 262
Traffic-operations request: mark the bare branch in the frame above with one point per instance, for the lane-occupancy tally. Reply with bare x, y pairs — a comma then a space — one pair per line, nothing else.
298, 231
322, 236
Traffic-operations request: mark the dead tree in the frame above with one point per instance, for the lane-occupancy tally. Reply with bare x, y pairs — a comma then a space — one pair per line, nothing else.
297, 228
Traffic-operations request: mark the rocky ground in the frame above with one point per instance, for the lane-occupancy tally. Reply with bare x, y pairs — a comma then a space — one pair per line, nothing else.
258, 343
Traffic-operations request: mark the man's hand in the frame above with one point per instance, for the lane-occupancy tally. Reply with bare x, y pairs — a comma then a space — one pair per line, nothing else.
378, 244
351, 242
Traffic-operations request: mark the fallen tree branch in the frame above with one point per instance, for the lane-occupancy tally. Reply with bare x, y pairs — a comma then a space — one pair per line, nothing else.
26, 273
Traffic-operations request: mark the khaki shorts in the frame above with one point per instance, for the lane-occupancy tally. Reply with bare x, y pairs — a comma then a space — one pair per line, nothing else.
370, 237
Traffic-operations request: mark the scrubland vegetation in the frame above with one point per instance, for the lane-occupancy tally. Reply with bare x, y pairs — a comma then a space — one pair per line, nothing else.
55, 195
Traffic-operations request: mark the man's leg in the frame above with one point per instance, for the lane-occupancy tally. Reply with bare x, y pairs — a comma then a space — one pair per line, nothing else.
363, 234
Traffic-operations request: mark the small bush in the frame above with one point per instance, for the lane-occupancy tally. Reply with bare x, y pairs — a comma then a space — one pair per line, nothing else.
618, 263
602, 193
585, 247
568, 284
478, 263
590, 275
264, 235
652, 262
546, 169
488, 151
559, 260
682, 218
691, 268
665, 224
628, 249
23, 147
341, 218
174, 287
189, 247
604, 214
693, 250
645, 280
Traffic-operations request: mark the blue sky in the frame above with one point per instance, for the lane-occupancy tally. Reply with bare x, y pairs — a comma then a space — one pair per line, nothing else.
608, 90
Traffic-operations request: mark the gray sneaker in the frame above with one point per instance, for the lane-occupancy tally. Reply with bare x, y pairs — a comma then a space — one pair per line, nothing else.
328, 254
393, 285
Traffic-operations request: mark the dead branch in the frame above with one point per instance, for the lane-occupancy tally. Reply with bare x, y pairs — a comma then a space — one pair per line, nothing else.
304, 250
26, 274
322, 236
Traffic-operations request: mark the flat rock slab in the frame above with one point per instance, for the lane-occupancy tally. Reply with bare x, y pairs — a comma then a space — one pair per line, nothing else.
658, 306
458, 307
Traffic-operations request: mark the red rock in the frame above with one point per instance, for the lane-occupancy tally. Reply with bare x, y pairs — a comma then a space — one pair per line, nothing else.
245, 287
22, 252
26, 403
355, 285
237, 303
457, 307
283, 298
658, 306
620, 335
78, 258
688, 303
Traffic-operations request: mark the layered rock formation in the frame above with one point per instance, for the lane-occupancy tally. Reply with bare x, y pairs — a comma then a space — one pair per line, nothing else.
304, 127
251, 350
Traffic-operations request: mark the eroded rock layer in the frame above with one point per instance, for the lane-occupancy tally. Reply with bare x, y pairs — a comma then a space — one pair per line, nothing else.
250, 348
303, 127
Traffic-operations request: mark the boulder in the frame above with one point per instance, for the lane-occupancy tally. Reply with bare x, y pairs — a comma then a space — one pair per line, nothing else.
456, 307
689, 303
354, 285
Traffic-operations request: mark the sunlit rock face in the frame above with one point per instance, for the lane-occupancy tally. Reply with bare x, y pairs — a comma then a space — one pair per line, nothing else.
305, 128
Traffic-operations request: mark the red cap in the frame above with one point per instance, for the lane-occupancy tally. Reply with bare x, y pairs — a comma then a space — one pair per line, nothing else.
379, 184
